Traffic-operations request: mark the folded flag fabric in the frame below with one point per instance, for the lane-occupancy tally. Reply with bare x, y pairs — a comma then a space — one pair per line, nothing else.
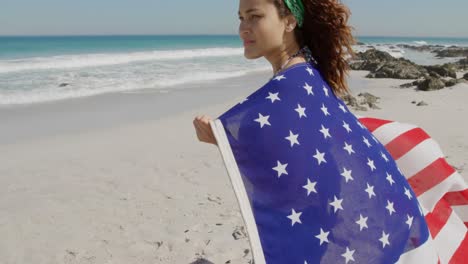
439, 188
315, 185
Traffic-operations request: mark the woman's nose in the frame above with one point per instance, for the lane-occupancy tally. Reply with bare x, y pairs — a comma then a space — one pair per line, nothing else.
243, 28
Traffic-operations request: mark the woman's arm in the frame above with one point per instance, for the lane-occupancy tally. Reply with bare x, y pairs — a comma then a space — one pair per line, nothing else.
203, 129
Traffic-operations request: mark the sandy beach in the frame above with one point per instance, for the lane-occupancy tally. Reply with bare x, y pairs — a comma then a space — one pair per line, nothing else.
121, 178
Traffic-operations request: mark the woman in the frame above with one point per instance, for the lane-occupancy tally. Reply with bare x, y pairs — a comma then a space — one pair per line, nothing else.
313, 183
269, 29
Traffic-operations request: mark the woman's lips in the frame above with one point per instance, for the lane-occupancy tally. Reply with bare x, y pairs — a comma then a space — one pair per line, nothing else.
248, 42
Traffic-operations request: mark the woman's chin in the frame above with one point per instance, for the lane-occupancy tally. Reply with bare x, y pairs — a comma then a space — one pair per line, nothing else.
251, 55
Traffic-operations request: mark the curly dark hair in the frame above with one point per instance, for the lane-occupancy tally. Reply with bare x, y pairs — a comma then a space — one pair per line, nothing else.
326, 32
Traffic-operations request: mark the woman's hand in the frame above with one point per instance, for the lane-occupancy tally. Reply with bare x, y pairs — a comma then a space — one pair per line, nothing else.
203, 128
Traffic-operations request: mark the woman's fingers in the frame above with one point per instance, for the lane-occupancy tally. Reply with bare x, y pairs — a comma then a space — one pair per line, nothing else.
203, 129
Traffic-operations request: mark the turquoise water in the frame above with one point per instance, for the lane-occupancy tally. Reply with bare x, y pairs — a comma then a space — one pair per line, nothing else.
39, 69
24, 47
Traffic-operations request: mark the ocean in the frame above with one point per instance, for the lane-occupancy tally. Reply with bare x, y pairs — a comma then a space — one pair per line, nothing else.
41, 69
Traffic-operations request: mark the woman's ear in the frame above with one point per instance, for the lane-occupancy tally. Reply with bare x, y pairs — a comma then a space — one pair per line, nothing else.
291, 23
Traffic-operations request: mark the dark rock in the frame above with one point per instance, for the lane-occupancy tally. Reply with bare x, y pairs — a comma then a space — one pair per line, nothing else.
239, 233
450, 83
63, 84
422, 103
369, 99
431, 84
398, 69
411, 84
452, 51
202, 261
383, 65
465, 76
420, 48
413, 102
446, 70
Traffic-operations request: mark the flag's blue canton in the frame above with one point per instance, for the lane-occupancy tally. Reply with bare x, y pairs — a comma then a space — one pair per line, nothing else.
321, 186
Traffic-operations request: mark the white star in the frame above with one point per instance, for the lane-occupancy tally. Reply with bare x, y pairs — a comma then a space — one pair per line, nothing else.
367, 142
390, 208
409, 221
325, 90
343, 108
320, 156
273, 97
325, 132
263, 120
280, 77
295, 217
390, 179
308, 89
325, 110
348, 255
384, 239
362, 222
371, 165
408, 193
346, 126
370, 190
310, 71
348, 148
347, 175
310, 187
300, 110
323, 236
337, 204
384, 156
241, 102
293, 138
281, 169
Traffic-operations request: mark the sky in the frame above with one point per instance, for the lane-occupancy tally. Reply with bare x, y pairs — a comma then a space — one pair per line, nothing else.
427, 18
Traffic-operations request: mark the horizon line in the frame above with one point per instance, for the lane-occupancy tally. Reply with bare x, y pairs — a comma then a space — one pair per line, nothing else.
143, 35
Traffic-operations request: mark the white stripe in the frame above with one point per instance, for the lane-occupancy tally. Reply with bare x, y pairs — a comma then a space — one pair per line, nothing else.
450, 238
461, 211
424, 153
425, 253
431, 197
388, 132
239, 190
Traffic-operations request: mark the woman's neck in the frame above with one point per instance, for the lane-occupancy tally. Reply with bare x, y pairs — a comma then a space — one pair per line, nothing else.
279, 59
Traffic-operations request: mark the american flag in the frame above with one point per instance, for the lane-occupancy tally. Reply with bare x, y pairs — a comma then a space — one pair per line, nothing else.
314, 184
440, 189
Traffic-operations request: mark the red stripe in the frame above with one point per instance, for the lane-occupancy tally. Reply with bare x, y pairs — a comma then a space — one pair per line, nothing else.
430, 176
461, 255
438, 217
457, 198
405, 142
373, 123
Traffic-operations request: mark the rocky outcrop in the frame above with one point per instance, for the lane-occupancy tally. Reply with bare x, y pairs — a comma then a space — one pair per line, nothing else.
431, 84
383, 65
362, 100
452, 51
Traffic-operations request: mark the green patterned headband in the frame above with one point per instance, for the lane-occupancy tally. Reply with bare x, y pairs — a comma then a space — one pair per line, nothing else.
297, 8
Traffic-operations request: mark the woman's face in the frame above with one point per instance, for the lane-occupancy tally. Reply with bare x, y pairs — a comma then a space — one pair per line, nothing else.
260, 28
